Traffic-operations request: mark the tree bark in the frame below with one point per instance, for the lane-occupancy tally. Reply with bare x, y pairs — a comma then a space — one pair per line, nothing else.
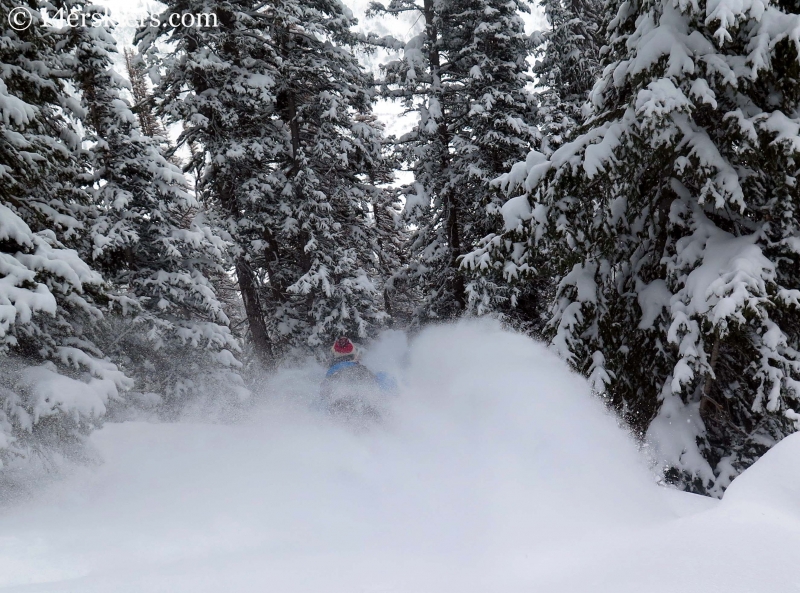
454, 236
708, 381
255, 316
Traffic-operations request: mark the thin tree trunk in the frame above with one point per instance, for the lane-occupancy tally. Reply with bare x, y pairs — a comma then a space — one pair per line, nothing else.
708, 381
294, 125
459, 290
252, 308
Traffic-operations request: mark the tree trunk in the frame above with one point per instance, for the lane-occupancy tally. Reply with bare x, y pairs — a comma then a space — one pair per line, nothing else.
252, 308
294, 125
708, 381
459, 290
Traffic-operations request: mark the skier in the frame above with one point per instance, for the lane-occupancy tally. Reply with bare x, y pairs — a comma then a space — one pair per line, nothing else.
345, 366
349, 388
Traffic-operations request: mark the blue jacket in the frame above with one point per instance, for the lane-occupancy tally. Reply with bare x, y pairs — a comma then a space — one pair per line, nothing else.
338, 367
354, 372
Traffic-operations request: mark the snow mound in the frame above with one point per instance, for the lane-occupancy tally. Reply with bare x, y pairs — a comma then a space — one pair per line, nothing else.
774, 481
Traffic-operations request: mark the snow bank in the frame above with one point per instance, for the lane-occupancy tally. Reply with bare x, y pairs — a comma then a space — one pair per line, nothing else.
773, 482
495, 471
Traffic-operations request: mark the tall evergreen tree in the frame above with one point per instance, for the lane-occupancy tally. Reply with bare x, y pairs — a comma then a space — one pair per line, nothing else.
673, 226
54, 380
567, 67
466, 76
151, 240
390, 237
272, 96
149, 124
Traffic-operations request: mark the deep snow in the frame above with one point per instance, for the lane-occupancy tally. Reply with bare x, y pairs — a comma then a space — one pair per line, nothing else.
495, 471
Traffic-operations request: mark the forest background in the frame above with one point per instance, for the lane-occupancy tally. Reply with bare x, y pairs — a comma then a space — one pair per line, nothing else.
618, 180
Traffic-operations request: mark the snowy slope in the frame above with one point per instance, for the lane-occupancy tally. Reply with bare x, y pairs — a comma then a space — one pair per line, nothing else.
497, 471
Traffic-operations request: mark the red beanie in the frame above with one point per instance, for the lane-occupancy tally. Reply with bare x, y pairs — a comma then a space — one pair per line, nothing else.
343, 347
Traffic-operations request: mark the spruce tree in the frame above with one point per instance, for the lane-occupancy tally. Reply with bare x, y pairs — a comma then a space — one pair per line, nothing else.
151, 240
54, 380
273, 96
672, 225
567, 67
466, 76
149, 124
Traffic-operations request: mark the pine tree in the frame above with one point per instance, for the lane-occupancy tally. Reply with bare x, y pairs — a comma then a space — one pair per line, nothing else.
567, 68
390, 237
151, 240
273, 100
390, 246
672, 224
492, 117
55, 381
466, 75
149, 124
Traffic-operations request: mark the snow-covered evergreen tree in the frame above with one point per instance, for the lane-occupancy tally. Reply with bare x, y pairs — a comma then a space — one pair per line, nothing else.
143, 105
151, 241
491, 121
273, 99
54, 380
390, 237
567, 67
673, 227
149, 124
466, 76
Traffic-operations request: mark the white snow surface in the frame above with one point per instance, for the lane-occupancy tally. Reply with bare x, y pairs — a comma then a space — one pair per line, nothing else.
496, 470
